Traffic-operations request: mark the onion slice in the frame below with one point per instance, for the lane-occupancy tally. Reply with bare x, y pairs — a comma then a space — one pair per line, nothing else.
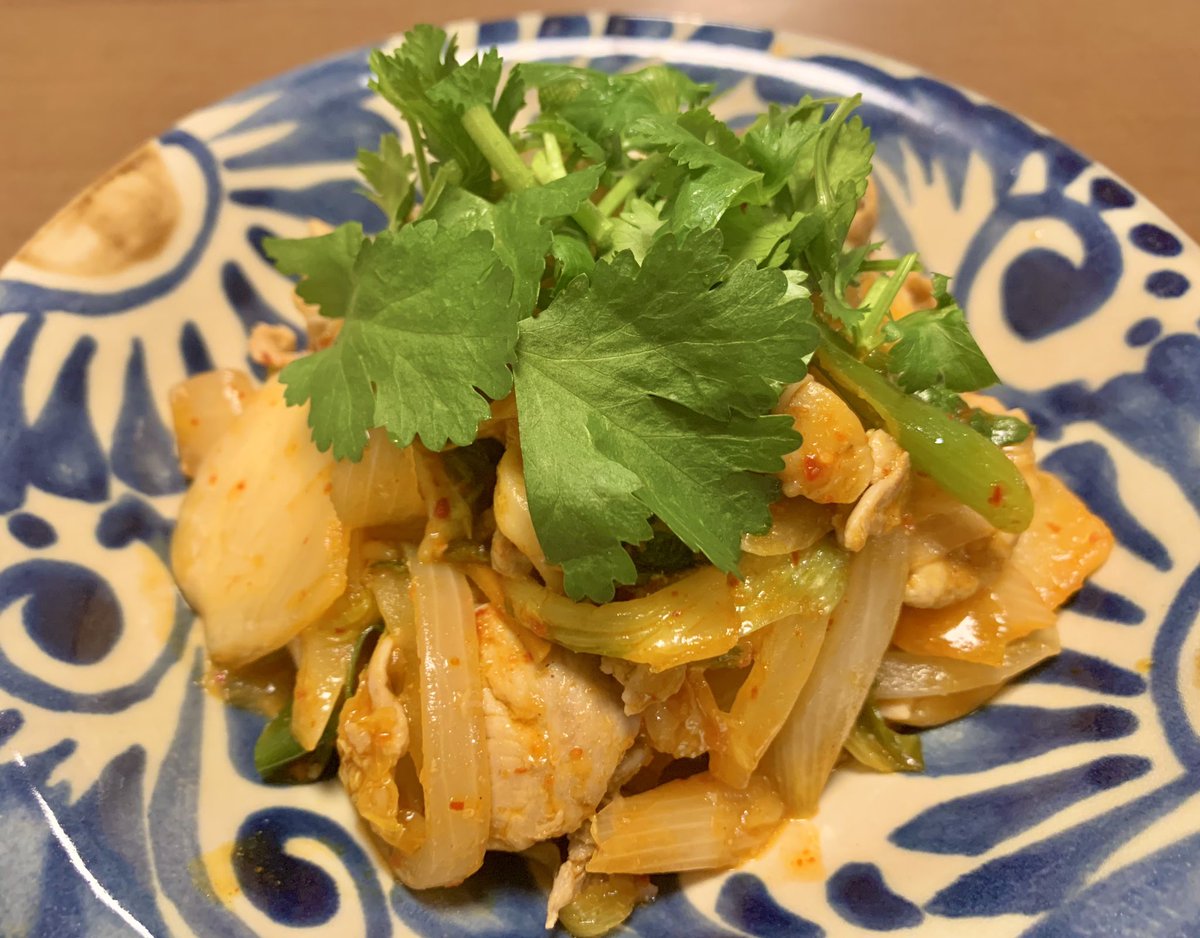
454, 768
695, 823
804, 752
902, 674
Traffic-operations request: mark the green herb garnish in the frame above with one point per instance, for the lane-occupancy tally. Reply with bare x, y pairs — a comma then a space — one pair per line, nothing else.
642, 277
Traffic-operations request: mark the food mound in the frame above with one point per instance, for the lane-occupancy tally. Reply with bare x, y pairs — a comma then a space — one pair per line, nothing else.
621, 489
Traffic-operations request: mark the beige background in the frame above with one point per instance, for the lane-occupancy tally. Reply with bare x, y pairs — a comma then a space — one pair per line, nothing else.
82, 82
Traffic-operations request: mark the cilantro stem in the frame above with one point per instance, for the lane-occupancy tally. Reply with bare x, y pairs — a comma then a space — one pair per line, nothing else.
593, 222
821, 157
965, 463
554, 157
629, 183
497, 148
448, 174
503, 157
868, 328
419, 153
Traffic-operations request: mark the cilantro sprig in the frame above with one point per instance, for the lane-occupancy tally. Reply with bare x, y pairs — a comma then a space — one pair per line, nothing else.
639, 275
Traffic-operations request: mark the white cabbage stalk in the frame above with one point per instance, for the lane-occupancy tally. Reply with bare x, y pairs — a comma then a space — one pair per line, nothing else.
903, 675
701, 615
202, 409
806, 749
258, 550
454, 768
696, 823
784, 661
379, 489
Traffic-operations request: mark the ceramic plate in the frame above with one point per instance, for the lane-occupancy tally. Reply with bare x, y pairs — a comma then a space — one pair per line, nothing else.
128, 798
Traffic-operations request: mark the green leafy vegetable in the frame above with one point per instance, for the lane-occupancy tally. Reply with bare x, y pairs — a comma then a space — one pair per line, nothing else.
421, 341
713, 181
934, 348
642, 275
325, 264
388, 173
662, 553
645, 392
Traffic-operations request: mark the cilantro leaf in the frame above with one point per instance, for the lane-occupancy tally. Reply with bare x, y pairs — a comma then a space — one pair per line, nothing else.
934, 347
572, 258
635, 229
405, 79
782, 143
756, 233
713, 181
324, 263
421, 340
520, 224
598, 107
570, 135
523, 233
388, 173
647, 391
473, 82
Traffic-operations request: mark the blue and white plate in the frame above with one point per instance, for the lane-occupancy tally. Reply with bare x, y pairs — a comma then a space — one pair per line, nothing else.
128, 799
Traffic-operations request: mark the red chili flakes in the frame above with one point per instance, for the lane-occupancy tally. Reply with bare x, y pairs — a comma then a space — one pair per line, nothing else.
1056, 528
813, 467
576, 753
241, 486
454, 662
732, 581
457, 805
442, 508
328, 487
754, 693
996, 499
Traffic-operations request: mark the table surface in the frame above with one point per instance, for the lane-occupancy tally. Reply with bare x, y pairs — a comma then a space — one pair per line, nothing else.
82, 82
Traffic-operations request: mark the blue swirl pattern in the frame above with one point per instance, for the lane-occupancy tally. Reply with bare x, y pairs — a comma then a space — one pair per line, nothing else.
127, 796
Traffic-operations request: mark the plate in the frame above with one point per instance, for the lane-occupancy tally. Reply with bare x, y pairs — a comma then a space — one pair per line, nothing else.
128, 799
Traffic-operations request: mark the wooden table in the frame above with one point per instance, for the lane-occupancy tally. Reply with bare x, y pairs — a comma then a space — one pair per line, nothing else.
84, 81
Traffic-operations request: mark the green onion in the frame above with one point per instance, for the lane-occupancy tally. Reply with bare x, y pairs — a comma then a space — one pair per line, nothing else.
967, 465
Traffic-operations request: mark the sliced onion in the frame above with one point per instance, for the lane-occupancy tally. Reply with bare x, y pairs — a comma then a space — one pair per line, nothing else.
379, 489
934, 711
906, 675
804, 752
454, 768
784, 662
696, 823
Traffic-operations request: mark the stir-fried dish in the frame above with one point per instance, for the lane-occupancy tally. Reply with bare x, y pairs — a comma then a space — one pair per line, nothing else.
618, 489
